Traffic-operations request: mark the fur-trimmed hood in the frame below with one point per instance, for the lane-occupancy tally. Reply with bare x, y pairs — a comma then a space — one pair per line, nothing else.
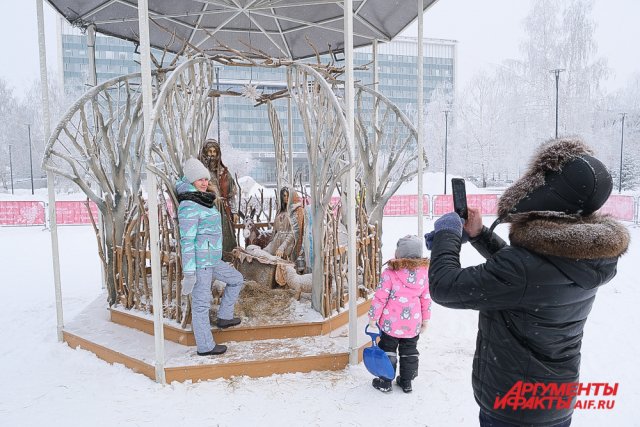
408, 263
591, 237
563, 180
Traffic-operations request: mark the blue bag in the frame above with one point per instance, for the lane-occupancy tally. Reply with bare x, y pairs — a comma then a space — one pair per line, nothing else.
376, 360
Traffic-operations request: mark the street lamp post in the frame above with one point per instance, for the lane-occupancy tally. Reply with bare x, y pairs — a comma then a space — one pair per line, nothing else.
621, 146
557, 72
11, 169
30, 157
446, 137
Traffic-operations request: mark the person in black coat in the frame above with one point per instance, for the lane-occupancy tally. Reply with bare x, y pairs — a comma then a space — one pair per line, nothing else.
534, 295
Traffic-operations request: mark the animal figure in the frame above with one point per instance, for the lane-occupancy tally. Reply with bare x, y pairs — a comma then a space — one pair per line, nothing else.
252, 234
301, 283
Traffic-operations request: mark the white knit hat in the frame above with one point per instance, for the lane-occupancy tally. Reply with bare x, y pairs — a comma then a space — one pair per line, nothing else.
195, 170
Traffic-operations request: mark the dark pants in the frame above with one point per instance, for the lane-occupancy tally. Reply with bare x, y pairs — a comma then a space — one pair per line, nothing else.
487, 420
407, 351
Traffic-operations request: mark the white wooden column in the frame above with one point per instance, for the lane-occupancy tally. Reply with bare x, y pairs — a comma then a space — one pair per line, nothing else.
374, 58
351, 193
420, 109
51, 191
376, 81
93, 81
91, 55
290, 139
152, 188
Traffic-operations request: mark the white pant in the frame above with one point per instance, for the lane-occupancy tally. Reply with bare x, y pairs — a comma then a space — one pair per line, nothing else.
201, 301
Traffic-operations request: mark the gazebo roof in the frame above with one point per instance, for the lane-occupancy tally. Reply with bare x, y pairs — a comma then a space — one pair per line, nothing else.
277, 28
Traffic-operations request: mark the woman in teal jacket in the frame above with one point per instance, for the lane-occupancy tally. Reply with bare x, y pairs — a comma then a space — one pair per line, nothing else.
201, 245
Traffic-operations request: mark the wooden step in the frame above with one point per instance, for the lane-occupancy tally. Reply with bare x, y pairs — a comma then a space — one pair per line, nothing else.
173, 332
92, 330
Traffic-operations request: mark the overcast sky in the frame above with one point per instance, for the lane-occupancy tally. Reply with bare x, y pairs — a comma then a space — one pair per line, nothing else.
487, 31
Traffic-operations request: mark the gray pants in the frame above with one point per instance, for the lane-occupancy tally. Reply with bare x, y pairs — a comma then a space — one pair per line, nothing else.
201, 301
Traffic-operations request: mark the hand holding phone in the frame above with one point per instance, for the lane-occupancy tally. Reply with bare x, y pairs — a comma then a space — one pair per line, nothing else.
473, 224
459, 197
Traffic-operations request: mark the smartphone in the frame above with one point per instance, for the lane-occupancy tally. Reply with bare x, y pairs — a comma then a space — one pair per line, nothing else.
459, 197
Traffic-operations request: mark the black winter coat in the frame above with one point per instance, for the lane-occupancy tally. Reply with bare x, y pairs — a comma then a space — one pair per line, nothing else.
533, 305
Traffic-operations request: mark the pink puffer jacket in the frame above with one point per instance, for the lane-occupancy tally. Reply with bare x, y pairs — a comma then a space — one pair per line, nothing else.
402, 302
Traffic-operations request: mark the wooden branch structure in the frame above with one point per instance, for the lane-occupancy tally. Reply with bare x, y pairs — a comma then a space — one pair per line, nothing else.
386, 142
324, 129
335, 284
98, 145
282, 177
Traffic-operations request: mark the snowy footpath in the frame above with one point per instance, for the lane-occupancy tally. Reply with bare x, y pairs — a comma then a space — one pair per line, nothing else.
43, 382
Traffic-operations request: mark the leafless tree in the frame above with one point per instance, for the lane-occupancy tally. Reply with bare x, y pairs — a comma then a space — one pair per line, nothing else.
98, 145
387, 149
183, 114
330, 157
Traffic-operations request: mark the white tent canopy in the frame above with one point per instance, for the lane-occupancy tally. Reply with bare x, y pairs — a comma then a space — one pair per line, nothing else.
277, 28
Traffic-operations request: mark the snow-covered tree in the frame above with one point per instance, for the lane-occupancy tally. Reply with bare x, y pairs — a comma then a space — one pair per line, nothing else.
608, 136
506, 112
440, 100
17, 116
14, 132
483, 116
7, 122
560, 35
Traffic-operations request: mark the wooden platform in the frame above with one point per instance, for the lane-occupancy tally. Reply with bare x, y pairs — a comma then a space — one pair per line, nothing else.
118, 337
240, 333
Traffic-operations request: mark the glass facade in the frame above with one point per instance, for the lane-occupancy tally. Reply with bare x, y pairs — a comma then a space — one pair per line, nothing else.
114, 57
247, 127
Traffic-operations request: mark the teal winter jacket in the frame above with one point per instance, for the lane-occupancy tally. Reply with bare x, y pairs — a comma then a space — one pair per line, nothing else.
200, 231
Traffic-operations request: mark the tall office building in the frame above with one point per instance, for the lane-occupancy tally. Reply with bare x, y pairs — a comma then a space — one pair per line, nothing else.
246, 127
114, 57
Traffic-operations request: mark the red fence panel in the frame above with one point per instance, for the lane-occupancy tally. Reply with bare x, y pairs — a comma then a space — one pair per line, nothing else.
406, 205
442, 204
620, 207
75, 213
25, 213
21, 213
488, 203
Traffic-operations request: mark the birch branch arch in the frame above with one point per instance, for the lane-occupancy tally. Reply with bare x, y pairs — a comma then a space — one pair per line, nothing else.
182, 115
387, 149
329, 155
98, 145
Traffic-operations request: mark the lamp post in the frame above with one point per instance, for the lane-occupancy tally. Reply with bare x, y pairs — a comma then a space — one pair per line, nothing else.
11, 169
557, 72
30, 157
446, 137
621, 146
218, 100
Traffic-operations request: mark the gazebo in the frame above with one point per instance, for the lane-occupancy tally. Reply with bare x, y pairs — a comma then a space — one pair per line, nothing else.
176, 103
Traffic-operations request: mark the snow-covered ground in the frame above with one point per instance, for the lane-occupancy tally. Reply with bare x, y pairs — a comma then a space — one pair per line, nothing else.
44, 382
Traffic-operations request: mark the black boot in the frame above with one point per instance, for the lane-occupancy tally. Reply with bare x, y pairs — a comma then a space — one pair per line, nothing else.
218, 349
404, 384
381, 384
226, 323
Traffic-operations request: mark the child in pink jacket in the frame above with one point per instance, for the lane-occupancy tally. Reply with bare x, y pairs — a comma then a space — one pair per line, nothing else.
401, 308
